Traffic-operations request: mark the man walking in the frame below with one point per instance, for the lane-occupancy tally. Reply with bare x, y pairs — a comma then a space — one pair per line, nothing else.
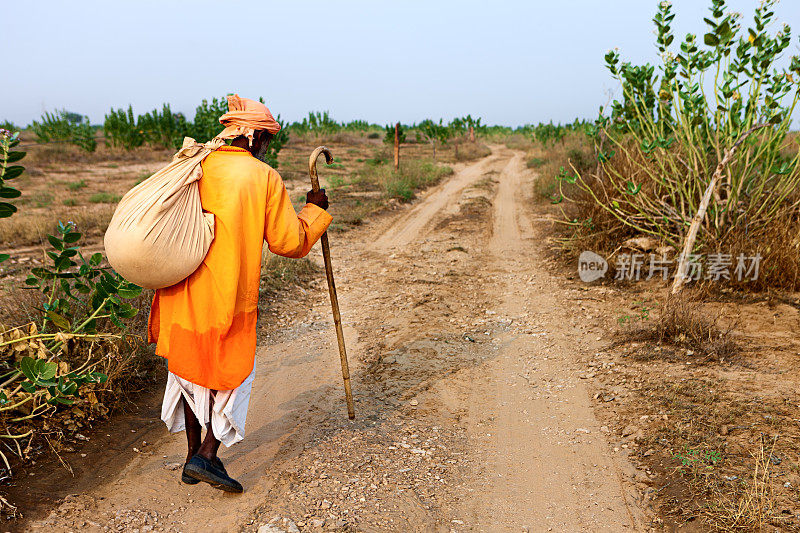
205, 326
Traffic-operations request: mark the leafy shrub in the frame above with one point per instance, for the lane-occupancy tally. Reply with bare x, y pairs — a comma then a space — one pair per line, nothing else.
388, 137
662, 142
60, 359
206, 123
121, 130
160, 129
433, 132
63, 126
317, 123
163, 130
8, 140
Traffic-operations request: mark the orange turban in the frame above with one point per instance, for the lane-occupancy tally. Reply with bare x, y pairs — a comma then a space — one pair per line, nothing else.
245, 116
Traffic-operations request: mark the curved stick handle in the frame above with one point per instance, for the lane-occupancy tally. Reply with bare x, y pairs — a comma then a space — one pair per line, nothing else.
312, 164
326, 256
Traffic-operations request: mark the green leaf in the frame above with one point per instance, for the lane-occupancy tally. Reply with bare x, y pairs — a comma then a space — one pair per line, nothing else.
71, 237
58, 320
4, 257
48, 370
62, 263
127, 312
13, 172
27, 367
98, 377
131, 291
82, 288
55, 242
40, 272
9, 192
6, 210
13, 157
710, 39
96, 259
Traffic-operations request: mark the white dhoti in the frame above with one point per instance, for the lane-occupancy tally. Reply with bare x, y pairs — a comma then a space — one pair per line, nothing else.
228, 413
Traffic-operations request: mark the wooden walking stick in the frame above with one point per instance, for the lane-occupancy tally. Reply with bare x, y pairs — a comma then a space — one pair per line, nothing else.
326, 255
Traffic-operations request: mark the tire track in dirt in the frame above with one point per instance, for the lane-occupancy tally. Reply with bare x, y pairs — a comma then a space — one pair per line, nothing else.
547, 465
416, 223
467, 402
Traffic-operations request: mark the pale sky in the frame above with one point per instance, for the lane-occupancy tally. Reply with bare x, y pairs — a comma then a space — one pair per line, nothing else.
510, 62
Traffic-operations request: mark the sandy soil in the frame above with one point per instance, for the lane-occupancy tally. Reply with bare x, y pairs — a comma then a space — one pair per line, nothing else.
471, 413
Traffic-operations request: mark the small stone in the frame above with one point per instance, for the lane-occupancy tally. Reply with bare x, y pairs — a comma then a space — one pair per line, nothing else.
173, 466
414, 402
629, 430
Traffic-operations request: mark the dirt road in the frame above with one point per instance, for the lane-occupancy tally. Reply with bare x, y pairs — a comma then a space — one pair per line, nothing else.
470, 411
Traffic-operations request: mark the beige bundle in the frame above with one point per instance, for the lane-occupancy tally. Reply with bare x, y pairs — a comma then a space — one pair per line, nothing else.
159, 233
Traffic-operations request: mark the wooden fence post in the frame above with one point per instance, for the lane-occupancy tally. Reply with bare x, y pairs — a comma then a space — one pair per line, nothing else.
397, 146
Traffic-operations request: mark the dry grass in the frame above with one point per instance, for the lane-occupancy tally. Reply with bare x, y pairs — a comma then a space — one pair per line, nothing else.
413, 176
279, 272
470, 151
30, 229
548, 160
518, 141
752, 507
682, 324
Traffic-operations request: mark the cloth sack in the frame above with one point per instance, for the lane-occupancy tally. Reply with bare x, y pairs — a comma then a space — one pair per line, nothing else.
159, 233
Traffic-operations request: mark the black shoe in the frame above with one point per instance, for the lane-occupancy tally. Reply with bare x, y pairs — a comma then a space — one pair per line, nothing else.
186, 478
212, 472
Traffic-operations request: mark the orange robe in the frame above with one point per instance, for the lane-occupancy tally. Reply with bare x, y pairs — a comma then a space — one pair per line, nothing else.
206, 324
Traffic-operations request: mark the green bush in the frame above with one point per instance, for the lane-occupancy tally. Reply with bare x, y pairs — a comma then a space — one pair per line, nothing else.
121, 131
662, 142
206, 124
163, 129
63, 126
388, 137
8, 140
